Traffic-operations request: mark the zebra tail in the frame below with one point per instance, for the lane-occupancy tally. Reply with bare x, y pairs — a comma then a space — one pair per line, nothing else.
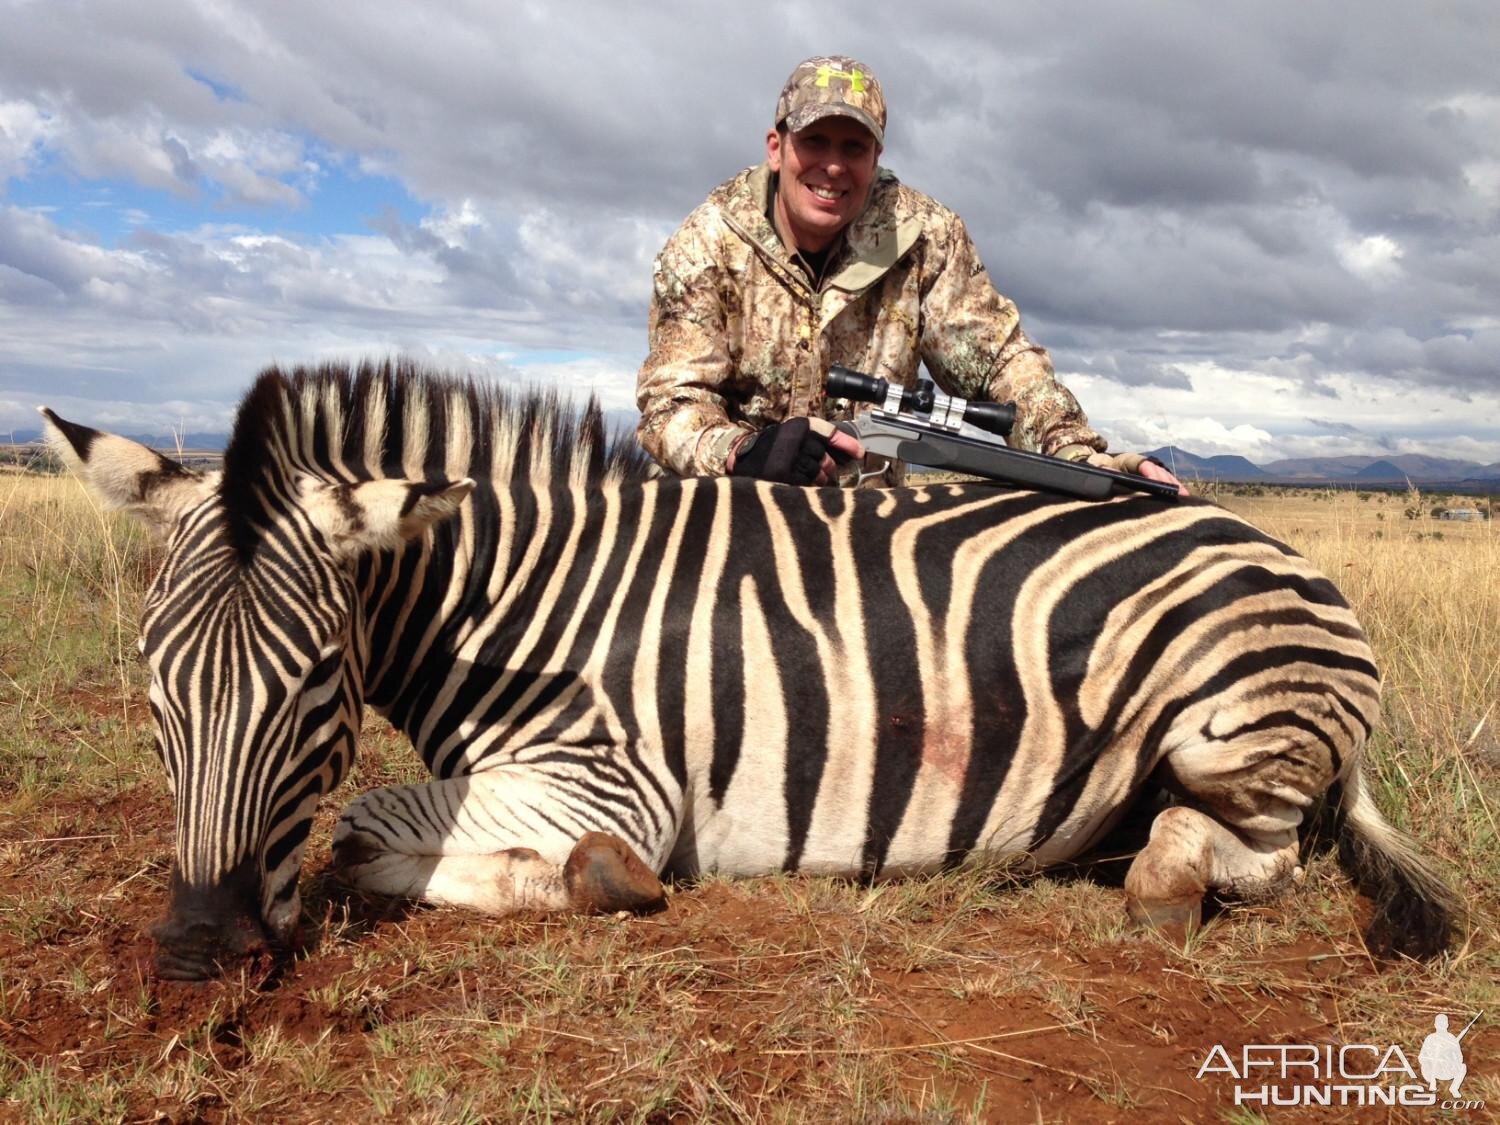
1415, 910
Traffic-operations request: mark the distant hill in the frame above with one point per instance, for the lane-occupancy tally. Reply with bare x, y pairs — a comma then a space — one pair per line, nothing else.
1416, 466
214, 443
1385, 472
1318, 468
620, 423
167, 443
1381, 470
1220, 467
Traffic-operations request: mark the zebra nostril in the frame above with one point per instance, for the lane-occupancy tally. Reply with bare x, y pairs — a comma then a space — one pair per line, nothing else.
186, 938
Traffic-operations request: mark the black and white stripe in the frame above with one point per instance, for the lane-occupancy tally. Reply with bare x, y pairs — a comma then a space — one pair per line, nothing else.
725, 674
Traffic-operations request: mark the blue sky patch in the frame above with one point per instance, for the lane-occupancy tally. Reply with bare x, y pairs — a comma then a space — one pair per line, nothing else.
221, 90
343, 201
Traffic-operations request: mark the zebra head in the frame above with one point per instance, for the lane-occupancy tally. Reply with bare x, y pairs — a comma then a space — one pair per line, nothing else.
256, 653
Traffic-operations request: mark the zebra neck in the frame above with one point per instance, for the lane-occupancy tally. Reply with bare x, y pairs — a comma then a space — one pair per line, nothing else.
468, 592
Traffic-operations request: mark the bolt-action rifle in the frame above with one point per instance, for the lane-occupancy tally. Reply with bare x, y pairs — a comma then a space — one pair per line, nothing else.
922, 425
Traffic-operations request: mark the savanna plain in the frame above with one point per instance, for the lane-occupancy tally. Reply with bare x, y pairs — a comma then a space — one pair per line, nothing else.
975, 996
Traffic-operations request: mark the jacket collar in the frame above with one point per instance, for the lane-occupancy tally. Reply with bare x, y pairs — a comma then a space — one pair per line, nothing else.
874, 242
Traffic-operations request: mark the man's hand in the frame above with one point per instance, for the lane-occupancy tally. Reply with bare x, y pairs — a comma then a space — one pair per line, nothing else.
797, 451
1140, 465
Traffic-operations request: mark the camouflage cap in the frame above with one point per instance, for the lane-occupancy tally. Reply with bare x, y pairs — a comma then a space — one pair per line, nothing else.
832, 84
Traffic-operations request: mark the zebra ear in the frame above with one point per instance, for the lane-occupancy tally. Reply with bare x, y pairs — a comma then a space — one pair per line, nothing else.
380, 515
125, 474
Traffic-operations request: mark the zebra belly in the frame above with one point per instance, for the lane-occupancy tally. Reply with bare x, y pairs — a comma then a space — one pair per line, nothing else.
747, 836
747, 831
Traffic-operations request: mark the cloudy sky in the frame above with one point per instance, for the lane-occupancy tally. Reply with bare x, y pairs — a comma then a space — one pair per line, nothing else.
1268, 229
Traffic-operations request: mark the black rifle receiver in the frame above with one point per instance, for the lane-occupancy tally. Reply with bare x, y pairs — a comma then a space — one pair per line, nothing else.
922, 425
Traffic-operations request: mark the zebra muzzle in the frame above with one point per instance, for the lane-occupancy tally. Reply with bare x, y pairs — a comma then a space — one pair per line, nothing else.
210, 929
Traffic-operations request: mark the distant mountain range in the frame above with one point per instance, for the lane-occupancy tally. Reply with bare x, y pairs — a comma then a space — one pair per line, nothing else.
619, 422
199, 443
1415, 467
1375, 471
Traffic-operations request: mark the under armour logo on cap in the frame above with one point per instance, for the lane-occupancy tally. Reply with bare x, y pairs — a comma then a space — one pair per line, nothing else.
855, 78
832, 85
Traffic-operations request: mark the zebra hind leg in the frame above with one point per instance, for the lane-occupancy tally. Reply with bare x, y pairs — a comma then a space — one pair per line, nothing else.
1236, 832
500, 842
1191, 853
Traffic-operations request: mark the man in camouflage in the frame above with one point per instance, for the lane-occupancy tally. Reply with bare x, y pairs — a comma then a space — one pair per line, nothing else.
820, 257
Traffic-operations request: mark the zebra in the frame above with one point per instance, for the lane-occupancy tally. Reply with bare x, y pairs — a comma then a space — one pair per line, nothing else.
613, 676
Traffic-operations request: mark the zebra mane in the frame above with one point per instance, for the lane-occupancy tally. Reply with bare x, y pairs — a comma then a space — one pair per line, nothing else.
394, 418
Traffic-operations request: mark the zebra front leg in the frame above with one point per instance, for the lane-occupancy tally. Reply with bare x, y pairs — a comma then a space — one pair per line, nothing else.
510, 839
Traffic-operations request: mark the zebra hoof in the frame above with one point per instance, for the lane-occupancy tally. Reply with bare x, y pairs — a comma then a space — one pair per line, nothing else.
603, 874
1171, 916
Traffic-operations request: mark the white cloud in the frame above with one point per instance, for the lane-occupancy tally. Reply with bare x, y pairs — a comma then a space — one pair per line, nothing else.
1268, 415
612, 380
604, 257
1292, 228
1374, 257
1484, 178
159, 419
24, 129
453, 225
1206, 435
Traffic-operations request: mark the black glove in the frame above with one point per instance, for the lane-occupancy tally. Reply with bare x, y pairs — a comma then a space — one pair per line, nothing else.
789, 452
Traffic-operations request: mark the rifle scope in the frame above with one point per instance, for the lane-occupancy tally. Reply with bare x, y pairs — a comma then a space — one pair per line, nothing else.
943, 410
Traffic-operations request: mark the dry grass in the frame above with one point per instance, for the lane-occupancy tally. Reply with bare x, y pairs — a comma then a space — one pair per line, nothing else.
1428, 595
973, 996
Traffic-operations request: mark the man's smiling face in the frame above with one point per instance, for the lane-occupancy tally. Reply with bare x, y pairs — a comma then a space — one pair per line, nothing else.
825, 176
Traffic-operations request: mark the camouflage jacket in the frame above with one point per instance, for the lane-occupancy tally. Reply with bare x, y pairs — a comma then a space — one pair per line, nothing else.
740, 338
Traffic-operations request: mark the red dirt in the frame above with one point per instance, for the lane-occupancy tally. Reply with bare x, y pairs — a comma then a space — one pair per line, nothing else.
1142, 1028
